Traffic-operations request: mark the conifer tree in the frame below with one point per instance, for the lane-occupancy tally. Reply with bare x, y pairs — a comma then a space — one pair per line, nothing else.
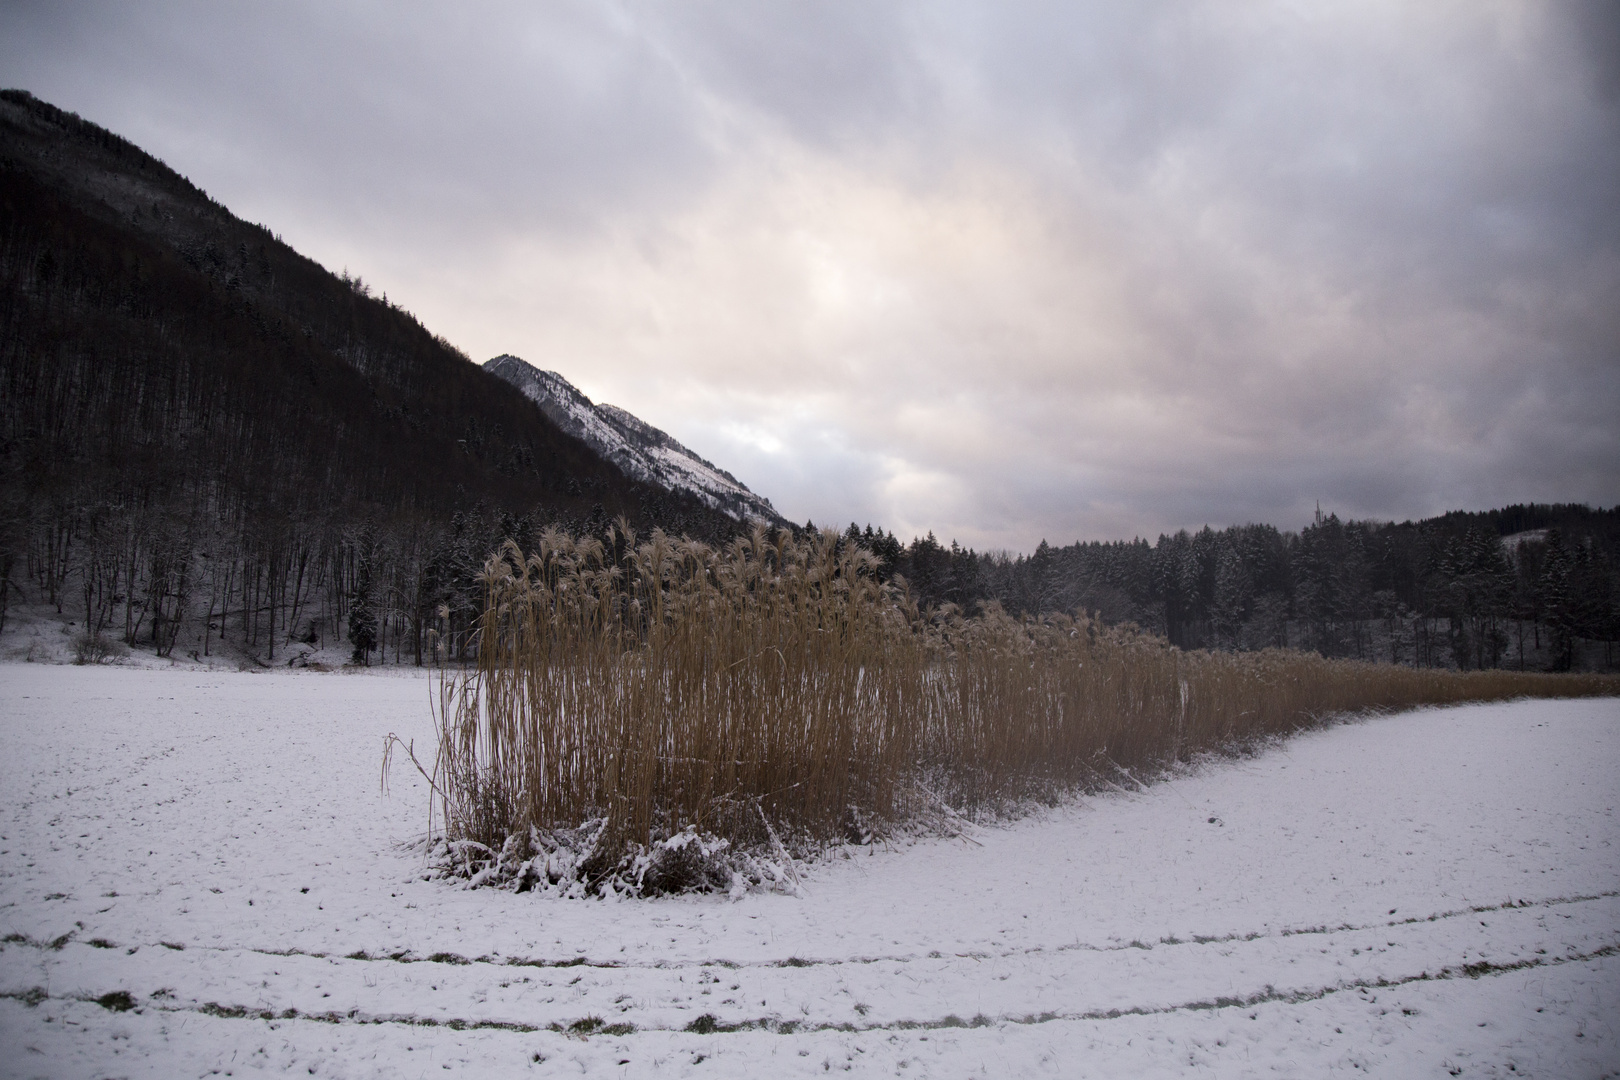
1232, 591
1556, 605
363, 609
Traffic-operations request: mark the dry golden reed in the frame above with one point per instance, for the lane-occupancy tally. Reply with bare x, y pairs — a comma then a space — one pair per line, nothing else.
777, 680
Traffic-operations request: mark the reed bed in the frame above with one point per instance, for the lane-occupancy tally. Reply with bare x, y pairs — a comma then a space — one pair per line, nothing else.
776, 688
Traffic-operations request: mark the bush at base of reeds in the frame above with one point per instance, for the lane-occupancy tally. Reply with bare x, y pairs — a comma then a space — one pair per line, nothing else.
775, 695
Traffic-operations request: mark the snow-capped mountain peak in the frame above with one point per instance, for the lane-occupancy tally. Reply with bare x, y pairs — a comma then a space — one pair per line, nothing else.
635, 446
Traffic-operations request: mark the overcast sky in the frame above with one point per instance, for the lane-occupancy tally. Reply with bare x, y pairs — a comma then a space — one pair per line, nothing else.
998, 270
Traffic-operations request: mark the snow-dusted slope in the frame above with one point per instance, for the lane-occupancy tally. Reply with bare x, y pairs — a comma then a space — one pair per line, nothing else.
635, 446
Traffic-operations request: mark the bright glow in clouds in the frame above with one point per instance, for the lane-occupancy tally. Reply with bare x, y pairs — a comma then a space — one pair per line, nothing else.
998, 271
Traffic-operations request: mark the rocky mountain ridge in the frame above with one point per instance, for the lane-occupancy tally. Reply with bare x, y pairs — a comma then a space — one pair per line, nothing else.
640, 450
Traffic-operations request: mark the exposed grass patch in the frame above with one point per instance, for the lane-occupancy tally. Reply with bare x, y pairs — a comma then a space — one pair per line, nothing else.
447, 958
30, 997
594, 1025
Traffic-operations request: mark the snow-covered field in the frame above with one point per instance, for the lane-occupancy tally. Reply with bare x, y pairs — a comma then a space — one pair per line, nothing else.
1430, 894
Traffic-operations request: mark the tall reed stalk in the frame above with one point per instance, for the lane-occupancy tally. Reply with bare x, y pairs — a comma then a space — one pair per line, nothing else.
776, 683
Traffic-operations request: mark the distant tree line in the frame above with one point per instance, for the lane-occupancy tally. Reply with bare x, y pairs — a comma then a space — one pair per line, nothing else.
1532, 587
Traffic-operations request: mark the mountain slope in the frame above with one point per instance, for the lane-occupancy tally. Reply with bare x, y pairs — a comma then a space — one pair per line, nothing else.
156, 348
635, 446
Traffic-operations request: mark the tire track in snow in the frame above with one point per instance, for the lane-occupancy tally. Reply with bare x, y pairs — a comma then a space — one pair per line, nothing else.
407, 956
853, 995
708, 1024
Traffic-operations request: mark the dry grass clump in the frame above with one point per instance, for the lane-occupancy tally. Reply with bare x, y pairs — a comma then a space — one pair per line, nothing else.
775, 688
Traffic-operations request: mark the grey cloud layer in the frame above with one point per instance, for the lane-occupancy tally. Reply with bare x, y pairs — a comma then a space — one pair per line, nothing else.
1003, 271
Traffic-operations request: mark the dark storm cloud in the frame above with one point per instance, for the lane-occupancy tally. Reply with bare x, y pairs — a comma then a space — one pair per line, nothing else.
1002, 271
1597, 26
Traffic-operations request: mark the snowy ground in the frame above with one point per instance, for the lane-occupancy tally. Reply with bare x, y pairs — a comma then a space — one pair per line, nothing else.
1430, 894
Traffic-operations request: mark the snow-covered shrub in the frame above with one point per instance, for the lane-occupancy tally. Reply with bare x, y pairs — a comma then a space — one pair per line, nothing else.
574, 863
98, 649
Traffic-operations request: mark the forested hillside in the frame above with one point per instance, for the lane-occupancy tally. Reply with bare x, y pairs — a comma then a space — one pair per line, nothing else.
205, 433
1527, 586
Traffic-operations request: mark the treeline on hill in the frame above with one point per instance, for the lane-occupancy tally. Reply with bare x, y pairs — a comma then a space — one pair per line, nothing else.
1531, 587
204, 433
